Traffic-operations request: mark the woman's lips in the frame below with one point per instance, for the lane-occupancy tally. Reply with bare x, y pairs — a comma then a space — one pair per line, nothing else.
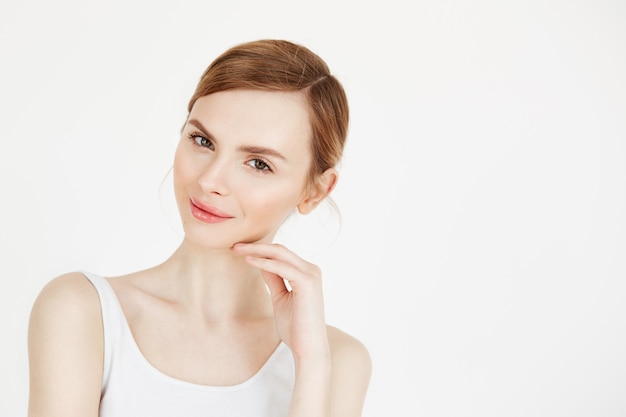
206, 213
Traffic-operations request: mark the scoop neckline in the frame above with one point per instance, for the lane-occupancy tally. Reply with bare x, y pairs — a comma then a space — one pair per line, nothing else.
169, 378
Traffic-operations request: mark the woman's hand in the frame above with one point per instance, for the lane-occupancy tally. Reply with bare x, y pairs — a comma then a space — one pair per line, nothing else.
298, 306
326, 385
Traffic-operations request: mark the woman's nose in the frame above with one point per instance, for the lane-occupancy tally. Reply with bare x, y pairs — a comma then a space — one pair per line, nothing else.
214, 177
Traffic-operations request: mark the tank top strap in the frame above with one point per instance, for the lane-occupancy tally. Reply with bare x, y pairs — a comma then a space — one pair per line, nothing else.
112, 320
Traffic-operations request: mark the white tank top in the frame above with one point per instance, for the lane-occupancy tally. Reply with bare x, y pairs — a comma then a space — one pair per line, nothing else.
132, 387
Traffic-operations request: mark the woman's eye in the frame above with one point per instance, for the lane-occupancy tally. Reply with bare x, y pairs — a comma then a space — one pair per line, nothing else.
202, 141
259, 164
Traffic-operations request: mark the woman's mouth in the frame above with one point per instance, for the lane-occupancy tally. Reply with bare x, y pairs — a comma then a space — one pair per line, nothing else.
207, 213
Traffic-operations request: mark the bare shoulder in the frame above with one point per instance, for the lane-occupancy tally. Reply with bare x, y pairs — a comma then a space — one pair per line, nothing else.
67, 309
67, 284
67, 294
351, 373
346, 347
65, 344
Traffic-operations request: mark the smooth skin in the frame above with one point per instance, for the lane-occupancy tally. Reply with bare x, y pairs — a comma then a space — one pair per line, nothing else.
205, 314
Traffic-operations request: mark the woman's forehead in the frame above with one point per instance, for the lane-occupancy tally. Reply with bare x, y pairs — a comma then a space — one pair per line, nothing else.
255, 117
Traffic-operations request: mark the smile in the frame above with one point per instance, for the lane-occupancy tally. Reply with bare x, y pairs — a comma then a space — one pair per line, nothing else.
207, 214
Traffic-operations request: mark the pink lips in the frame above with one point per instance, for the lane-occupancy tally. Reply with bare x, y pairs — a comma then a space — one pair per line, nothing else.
206, 213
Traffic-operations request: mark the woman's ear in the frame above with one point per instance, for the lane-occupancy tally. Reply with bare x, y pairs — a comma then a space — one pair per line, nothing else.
323, 186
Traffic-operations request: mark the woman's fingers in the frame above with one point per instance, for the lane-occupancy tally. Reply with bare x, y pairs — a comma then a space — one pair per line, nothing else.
296, 290
268, 251
278, 260
275, 283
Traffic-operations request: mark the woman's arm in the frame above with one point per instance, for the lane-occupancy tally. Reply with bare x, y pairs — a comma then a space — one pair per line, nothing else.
350, 375
336, 385
65, 346
311, 391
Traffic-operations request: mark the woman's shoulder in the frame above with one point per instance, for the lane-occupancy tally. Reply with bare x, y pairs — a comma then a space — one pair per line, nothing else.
68, 291
68, 299
342, 343
351, 372
65, 344
348, 352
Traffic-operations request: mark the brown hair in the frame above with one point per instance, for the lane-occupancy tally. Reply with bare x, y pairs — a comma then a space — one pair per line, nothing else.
279, 65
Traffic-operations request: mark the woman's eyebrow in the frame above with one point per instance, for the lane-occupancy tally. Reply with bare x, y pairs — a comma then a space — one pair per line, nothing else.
199, 125
255, 149
261, 150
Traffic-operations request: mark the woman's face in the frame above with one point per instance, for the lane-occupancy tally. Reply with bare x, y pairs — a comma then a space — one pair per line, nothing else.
241, 165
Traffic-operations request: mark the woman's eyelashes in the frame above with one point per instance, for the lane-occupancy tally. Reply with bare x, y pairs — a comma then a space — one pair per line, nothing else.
258, 164
201, 140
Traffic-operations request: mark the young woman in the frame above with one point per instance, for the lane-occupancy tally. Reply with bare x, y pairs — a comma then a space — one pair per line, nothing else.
231, 324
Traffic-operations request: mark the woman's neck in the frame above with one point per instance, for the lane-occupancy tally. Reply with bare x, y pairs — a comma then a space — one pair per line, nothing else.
216, 283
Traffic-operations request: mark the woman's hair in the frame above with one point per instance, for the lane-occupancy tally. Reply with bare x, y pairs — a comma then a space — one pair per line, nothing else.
279, 65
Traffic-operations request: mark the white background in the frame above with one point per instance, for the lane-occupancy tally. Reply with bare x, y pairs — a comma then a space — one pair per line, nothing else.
481, 255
